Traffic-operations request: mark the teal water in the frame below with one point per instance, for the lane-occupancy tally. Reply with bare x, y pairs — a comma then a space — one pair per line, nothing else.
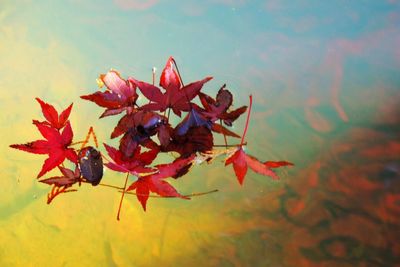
326, 87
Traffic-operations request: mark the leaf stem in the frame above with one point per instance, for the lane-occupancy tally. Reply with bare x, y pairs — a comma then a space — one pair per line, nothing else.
247, 120
189, 195
122, 197
180, 79
106, 185
241, 144
177, 70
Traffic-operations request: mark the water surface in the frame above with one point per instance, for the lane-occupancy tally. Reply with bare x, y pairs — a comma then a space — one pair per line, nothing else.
326, 84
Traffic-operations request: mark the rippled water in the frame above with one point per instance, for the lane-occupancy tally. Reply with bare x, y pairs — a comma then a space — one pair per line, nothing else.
326, 85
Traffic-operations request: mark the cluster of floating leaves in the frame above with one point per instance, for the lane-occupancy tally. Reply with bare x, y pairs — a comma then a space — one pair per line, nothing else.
145, 131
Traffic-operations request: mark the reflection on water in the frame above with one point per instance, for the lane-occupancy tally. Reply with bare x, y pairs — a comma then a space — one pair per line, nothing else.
326, 93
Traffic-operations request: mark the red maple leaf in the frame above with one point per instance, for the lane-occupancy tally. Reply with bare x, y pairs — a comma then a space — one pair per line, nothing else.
51, 115
175, 97
136, 165
241, 161
218, 109
68, 177
137, 128
195, 118
156, 182
119, 96
169, 79
55, 145
196, 139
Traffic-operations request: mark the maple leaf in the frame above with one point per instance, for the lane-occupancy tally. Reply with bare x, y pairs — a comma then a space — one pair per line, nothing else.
120, 94
192, 119
242, 161
155, 182
144, 123
51, 115
136, 165
196, 119
176, 100
55, 145
277, 164
175, 97
218, 109
169, 79
137, 128
196, 139
68, 178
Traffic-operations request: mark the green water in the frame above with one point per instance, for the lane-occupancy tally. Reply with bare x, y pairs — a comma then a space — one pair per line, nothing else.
325, 81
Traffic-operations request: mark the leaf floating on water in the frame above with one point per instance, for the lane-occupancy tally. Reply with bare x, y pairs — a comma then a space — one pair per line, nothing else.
144, 131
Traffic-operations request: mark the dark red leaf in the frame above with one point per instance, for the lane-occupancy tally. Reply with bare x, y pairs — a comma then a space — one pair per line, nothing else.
124, 124
169, 79
164, 135
105, 99
229, 117
192, 119
150, 91
155, 182
178, 100
222, 130
197, 139
58, 181
111, 112
136, 165
224, 97
68, 179
219, 109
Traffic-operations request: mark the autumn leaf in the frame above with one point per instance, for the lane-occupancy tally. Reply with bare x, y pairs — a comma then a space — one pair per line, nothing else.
178, 100
218, 109
242, 161
137, 128
136, 165
119, 96
156, 182
176, 97
192, 119
196, 139
51, 115
55, 145
68, 178
169, 79
277, 164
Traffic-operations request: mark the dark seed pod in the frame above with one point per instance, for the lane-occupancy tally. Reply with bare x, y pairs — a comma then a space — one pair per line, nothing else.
91, 165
